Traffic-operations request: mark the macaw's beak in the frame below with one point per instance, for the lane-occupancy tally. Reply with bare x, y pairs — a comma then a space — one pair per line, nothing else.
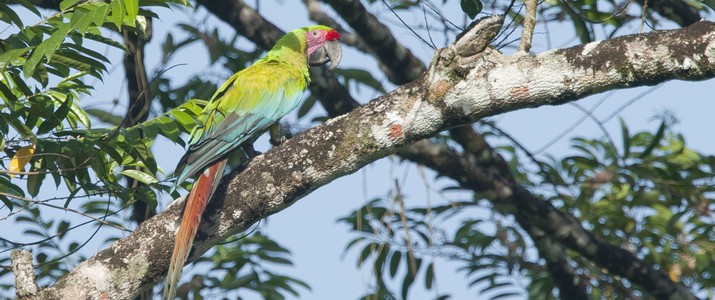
330, 51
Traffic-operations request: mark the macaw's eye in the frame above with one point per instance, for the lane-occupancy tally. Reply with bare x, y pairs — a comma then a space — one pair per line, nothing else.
315, 33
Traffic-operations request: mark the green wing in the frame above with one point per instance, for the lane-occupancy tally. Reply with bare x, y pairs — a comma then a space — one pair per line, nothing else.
243, 107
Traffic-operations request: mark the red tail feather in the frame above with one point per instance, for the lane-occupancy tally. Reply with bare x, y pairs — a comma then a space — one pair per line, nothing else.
196, 202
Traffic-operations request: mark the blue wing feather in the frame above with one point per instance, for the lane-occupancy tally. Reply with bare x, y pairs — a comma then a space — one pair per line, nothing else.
242, 110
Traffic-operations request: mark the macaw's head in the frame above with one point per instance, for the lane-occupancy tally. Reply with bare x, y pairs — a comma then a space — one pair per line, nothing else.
322, 46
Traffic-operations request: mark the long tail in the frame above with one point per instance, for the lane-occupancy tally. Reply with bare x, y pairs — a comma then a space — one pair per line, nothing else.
196, 202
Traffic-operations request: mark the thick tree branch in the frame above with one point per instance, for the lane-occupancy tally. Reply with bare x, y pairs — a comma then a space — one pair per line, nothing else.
460, 87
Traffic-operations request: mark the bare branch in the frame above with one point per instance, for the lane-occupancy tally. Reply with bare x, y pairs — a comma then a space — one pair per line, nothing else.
245, 20
402, 65
678, 11
527, 31
140, 97
316, 13
25, 285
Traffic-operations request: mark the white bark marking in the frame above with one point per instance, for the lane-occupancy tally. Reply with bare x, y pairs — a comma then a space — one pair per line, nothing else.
589, 47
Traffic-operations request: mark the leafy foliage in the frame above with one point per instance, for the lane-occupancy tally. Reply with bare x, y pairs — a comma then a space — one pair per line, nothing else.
651, 197
245, 264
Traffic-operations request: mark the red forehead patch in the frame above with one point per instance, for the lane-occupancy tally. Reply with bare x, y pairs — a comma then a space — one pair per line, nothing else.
332, 35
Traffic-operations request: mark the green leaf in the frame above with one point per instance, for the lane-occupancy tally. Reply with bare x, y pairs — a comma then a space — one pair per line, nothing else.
45, 49
105, 40
429, 276
169, 129
626, 138
41, 75
186, 121
78, 62
10, 57
57, 117
9, 13
8, 190
100, 13
146, 195
64, 5
29, 6
395, 263
20, 84
117, 13
362, 76
8, 97
306, 106
709, 3
656, 140
81, 19
407, 283
132, 7
140, 176
104, 116
62, 228
471, 7
54, 41
24, 131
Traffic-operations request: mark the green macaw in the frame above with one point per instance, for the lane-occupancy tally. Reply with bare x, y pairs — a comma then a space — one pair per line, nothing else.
243, 107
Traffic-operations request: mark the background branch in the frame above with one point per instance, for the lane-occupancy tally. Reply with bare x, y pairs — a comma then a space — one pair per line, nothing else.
677, 11
402, 65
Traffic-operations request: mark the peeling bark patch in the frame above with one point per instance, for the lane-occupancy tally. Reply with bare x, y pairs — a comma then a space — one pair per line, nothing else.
439, 90
589, 47
395, 131
383, 133
521, 91
96, 276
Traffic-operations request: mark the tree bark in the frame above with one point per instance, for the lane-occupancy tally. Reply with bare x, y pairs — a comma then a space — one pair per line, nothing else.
25, 285
461, 86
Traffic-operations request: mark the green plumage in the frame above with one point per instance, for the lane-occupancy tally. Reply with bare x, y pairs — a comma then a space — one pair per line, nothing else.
248, 102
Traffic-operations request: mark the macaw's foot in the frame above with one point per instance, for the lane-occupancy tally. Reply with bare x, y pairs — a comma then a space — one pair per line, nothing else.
279, 134
278, 141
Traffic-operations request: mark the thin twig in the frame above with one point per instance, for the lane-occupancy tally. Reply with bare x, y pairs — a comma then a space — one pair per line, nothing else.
527, 33
405, 226
63, 208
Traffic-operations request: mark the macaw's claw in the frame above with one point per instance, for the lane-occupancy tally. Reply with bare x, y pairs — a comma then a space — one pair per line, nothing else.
280, 140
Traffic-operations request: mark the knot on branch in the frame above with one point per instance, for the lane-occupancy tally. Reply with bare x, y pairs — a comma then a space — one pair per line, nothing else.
468, 46
477, 36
